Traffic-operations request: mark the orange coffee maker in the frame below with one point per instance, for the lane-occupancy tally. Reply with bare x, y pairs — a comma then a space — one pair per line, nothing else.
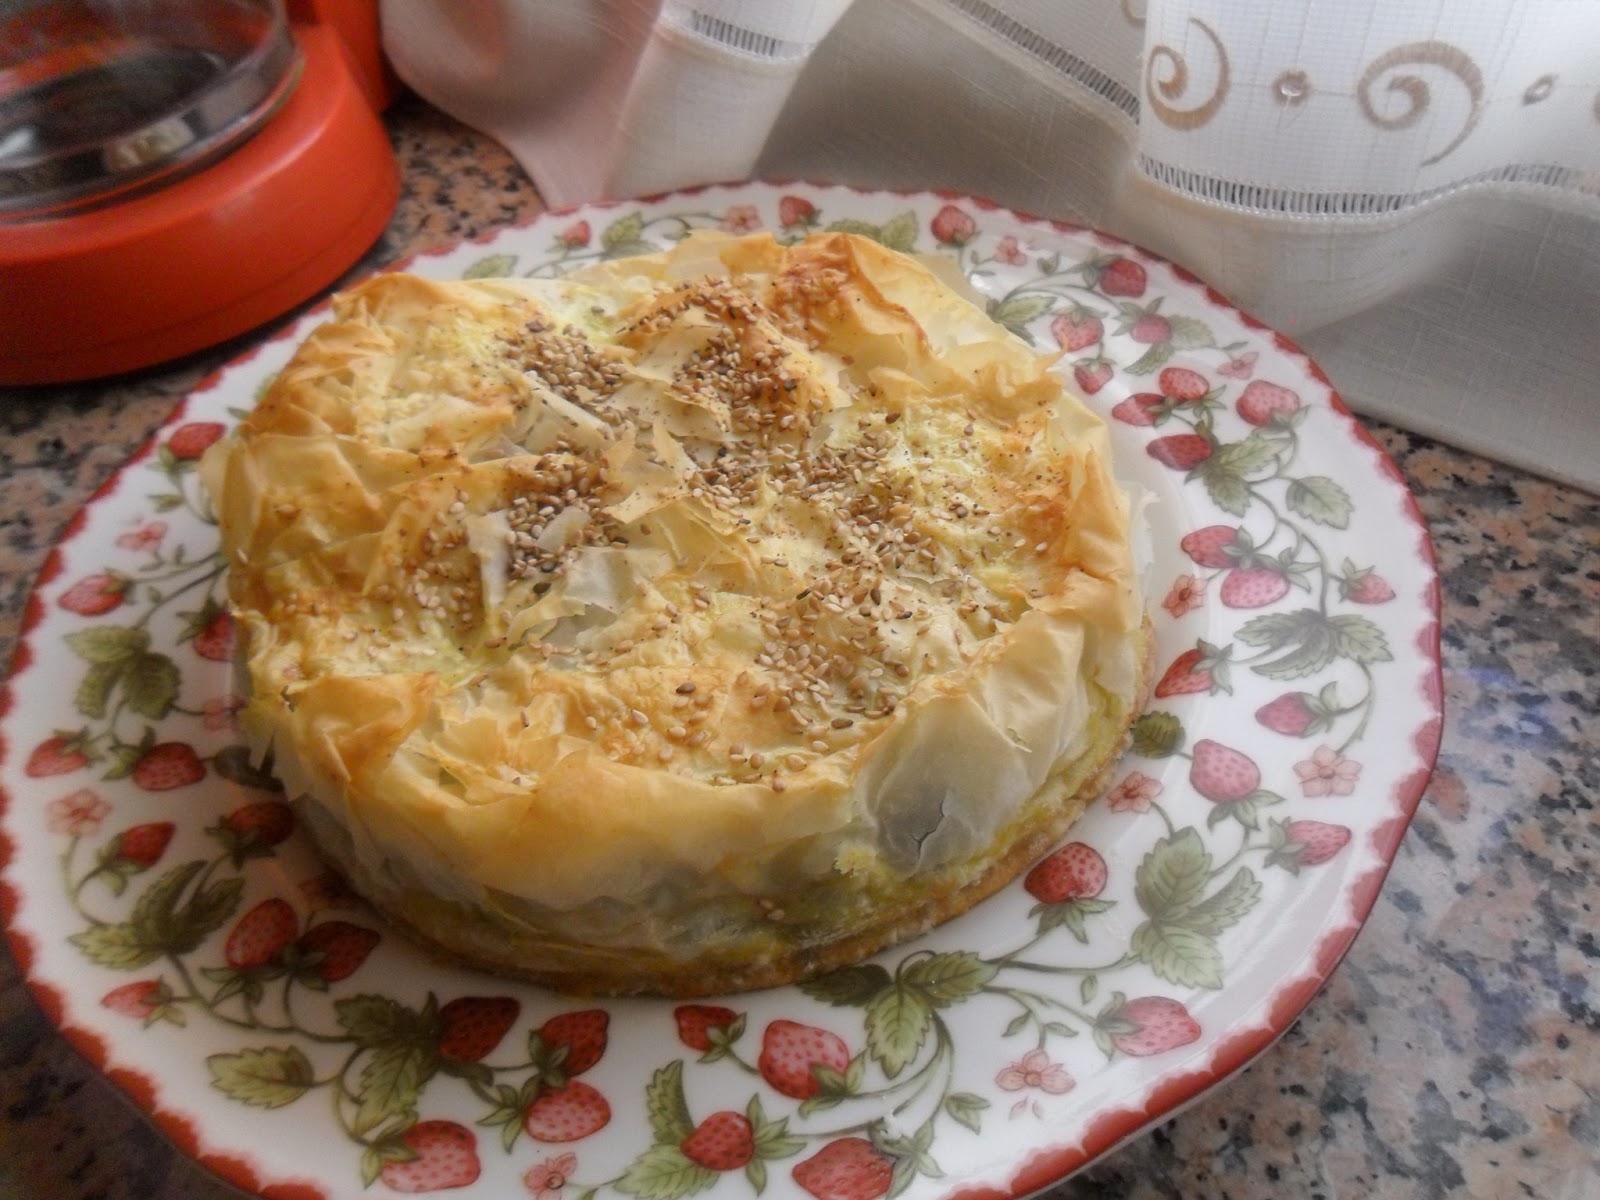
176, 172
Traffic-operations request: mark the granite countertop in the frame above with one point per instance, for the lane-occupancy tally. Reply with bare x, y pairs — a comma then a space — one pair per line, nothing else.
1456, 1053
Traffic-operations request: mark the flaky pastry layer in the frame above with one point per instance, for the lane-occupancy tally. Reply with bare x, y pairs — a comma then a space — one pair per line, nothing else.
726, 605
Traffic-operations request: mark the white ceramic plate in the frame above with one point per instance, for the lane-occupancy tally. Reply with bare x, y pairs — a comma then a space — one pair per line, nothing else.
189, 942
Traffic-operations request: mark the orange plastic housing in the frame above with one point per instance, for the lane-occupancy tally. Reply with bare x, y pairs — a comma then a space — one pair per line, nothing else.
221, 251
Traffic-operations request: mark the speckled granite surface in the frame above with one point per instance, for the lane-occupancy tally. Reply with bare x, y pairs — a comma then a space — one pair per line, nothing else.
1456, 1053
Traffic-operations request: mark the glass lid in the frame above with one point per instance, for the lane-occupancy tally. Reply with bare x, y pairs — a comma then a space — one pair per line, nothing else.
99, 98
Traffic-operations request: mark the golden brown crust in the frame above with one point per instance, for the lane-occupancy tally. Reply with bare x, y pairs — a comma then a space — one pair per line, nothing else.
698, 614
702, 978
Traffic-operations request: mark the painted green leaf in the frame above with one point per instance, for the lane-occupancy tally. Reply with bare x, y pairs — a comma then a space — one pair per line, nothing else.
780, 1146
374, 1020
1157, 734
900, 232
266, 1077
755, 1171
391, 1082
966, 1109
1278, 629
108, 643
905, 1170
629, 228
1190, 333
233, 764
1359, 639
1173, 874
115, 946
850, 987
948, 978
1227, 489
1306, 630
897, 1025
205, 913
1320, 499
1313, 654
1016, 311
1152, 359
1243, 457
493, 266
1224, 907
664, 1173
155, 913
94, 692
150, 685
665, 1105
628, 249
1177, 954
861, 228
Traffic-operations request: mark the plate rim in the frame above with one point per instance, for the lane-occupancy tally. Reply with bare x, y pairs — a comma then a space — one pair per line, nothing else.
1039, 1168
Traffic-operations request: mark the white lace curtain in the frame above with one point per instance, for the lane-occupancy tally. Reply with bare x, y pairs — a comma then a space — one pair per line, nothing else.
1409, 187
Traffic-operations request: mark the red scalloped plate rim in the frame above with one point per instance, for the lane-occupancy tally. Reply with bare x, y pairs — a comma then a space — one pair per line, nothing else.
1042, 1168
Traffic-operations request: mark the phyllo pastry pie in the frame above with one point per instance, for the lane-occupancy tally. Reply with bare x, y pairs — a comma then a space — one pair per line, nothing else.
699, 621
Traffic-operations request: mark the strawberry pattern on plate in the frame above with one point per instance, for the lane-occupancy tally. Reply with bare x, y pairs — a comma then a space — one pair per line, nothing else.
171, 918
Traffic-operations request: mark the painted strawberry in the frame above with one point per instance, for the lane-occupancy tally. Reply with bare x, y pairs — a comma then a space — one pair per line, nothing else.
143, 845
1208, 547
566, 1114
139, 999
789, 1051
696, 1020
1221, 774
1182, 384
168, 765
472, 1026
1261, 401
1122, 277
190, 441
94, 595
1076, 330
1364, 586
444, 1156
261, 935
1253, 587
1074, 872
582, 1033
1290, 714
1092, 375
574, 236
848, 1169
57, 755
1139, 409
1186, 676
724, 1141
215, 641
796, 210
1180, 451
1161, 1025
1150, 329
343, 947
266, 823
1317, 840
953, 226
